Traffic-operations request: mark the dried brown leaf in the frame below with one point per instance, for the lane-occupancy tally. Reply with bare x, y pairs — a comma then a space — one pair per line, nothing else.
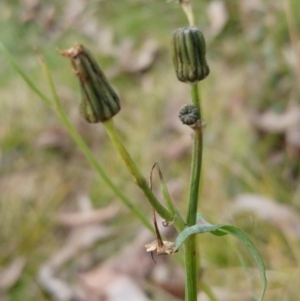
80, 219
132, 261
271, 122
167, 247
253, 5
79, 240
169, 278
292, 139
179, 148
54, 138
123, 288
218, 16
133, 60
280, 216
223, 294
29, 10
10, 274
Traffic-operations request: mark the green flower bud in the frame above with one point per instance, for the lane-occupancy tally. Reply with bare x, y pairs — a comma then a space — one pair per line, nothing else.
99, 101
189, 115
189, 55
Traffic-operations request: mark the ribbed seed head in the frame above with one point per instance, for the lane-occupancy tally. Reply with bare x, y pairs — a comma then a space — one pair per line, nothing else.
99, 101
189, 54
189, 115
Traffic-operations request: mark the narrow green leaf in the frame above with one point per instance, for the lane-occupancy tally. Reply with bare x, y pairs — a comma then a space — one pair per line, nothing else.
25, 77
77, 138
243, 238
220, 230
202, 221
196, 229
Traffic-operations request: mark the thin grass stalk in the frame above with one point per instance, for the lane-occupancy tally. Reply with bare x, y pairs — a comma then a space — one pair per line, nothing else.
77, 138
28, 81
139, 178
84, 148
178, 221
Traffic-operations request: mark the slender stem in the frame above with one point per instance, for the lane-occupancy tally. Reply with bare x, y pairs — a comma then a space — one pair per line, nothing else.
25, 77
196, 163
196, 97
190, 248
187, 8
140, 180
178, 221
191, 254
164, 189
84, 148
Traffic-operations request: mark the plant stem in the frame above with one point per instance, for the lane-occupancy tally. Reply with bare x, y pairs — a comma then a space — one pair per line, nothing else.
28, 81
187, 8
190, 247
140, 180
192, 261
89, 156
178, 220
191, 255
196, 163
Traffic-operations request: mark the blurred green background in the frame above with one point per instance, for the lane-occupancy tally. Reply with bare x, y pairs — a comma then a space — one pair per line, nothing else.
252, 137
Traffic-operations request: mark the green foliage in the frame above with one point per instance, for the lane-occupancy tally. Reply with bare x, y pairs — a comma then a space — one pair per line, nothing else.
250, 71
220, 230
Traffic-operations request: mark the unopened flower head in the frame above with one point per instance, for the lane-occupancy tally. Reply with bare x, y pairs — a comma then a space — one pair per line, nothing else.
99, 101
189, 115
189, 54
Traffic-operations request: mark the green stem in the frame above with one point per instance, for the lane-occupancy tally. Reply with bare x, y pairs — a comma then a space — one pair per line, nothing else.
89, 156
178, 220
28, 81
196, 163
188, 10
190, 248
140, 180
191, 254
